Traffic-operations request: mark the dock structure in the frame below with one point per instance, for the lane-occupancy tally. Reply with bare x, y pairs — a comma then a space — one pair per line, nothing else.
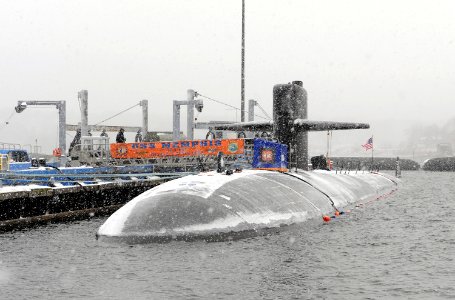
27, 206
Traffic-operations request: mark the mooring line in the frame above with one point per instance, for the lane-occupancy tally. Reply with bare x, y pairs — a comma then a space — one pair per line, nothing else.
377, 173
294, 192
319, 190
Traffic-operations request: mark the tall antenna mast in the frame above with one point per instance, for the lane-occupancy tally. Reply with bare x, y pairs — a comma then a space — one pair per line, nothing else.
242, 103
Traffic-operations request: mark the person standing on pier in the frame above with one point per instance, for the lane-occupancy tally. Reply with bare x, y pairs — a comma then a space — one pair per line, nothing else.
76, 141
104, 133
120, 137
138, 137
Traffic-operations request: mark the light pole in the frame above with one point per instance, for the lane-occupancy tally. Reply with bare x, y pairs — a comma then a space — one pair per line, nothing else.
242, 103
61, 106
191, 103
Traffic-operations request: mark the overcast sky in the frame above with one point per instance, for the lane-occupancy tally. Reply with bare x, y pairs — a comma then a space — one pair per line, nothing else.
383, 62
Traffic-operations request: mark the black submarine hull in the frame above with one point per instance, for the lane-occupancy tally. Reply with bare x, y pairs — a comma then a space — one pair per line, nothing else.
214, 206
440, 164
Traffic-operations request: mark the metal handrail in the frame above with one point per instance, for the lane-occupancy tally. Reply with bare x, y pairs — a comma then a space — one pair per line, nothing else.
10, 146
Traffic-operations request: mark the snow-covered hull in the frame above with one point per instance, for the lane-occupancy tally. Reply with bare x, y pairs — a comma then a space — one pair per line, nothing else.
212, 204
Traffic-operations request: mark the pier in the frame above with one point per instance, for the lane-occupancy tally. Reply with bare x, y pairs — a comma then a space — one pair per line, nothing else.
27, 206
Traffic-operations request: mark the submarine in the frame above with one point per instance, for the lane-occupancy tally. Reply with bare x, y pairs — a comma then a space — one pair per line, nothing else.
440, 164
277, 190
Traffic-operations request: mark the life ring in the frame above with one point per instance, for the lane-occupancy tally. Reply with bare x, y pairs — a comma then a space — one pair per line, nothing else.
57, 152
329, 164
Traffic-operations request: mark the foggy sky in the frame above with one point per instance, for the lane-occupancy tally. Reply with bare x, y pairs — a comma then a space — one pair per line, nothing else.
389, 63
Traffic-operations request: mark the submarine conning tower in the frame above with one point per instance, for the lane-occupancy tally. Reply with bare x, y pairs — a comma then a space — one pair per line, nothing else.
290, 103
290, 123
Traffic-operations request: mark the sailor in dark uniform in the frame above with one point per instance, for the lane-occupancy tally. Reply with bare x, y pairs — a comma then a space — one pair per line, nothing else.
104, 133
76, 140
138, 137
120, 137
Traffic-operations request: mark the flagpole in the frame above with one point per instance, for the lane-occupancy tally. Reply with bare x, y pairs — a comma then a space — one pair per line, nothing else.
242, 76
372, 151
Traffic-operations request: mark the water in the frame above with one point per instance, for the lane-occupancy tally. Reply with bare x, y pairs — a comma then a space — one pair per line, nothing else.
402, 246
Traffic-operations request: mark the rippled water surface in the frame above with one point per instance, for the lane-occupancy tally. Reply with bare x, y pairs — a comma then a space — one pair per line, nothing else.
401, 246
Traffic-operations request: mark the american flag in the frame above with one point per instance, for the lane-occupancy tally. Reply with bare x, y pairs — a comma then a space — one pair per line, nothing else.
369, 144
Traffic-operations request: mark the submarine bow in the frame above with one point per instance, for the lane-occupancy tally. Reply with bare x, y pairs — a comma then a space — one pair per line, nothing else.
210, 203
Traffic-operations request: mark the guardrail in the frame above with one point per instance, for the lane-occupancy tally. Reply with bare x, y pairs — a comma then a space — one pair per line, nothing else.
8, 146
